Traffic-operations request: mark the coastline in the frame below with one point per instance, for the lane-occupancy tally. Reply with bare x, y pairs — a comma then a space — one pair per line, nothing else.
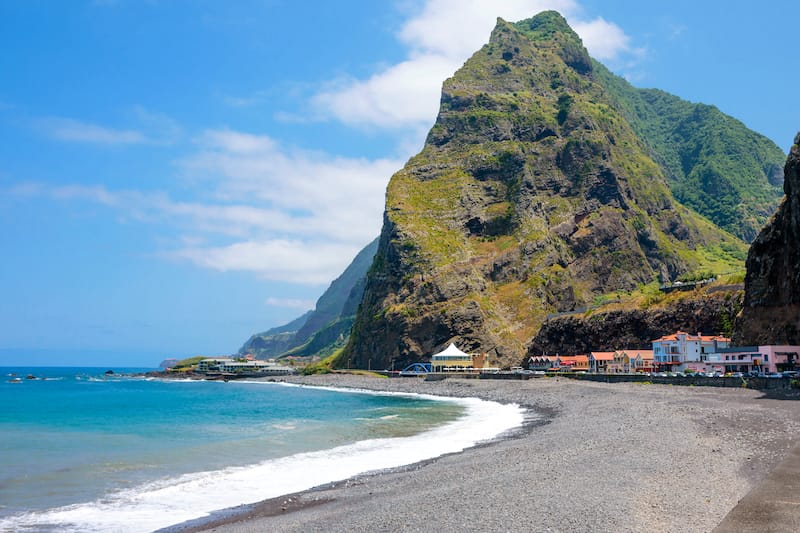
613, 457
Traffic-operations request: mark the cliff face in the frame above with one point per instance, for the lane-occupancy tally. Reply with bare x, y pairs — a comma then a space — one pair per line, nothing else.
771, 313
709, 313
532, 195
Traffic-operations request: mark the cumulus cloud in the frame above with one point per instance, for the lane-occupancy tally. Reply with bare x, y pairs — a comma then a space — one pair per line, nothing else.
298, 261
439, 38
301, 192
283, 214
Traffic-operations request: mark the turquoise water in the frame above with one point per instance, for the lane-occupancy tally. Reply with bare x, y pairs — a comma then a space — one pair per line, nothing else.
81, 451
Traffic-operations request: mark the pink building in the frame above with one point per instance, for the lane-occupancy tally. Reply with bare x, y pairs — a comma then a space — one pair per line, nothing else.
770, 358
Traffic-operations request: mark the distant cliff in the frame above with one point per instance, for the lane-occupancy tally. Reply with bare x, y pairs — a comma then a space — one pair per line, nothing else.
771, 313
327, 327
536, 192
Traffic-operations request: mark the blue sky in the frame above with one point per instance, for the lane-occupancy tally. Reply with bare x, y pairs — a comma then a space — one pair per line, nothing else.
176, 175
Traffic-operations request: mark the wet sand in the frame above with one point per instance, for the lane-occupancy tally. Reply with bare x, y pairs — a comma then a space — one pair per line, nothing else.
594, 457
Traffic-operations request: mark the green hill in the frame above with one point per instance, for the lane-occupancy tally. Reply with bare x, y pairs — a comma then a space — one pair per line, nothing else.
712, 162
537, 192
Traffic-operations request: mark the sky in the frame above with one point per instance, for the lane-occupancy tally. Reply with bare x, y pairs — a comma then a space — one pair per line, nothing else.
177, 175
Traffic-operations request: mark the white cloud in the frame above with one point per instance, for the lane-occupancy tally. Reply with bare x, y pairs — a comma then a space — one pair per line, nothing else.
298, 192
304, 215
304, 262
291, 303
159, 128
152, 128
66, 129
440, 37
285, 215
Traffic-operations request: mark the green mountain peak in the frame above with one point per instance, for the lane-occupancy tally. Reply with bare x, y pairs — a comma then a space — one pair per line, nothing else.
546, 184
547, 25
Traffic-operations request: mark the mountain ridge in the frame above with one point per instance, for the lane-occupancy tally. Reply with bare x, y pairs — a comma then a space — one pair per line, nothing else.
533, 194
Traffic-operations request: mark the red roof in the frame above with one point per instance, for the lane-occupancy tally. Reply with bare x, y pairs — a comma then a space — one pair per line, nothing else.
689, 337
602, 356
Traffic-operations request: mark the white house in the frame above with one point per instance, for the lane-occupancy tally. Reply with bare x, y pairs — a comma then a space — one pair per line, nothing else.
682, 351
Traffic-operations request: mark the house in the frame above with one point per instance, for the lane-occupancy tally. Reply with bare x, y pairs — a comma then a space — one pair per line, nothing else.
227, 365
542, 362
630, 361
641, 360
683, 351
599, 361
573, 363
768, 358
620, 364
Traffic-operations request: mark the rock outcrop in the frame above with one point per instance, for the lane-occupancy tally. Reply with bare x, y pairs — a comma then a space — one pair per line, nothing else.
771, 312
706, 312
532, 195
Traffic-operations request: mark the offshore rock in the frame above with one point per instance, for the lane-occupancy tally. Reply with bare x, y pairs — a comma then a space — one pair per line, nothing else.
771, 312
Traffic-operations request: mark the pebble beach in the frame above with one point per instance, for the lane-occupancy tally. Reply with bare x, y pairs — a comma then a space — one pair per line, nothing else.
591, 457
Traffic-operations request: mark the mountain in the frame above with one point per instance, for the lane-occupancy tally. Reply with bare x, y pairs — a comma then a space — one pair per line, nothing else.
712, 162
771, 312
324, 329
272, 343
533, 194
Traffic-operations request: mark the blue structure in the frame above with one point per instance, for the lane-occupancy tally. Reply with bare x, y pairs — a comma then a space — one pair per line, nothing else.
415, 369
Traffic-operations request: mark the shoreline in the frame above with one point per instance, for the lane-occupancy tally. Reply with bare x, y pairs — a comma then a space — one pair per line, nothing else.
622, 457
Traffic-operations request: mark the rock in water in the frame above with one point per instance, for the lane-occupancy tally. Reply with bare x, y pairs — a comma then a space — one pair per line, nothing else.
771, 312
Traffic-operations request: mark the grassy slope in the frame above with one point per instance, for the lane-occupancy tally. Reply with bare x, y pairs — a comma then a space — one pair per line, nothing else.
714, 164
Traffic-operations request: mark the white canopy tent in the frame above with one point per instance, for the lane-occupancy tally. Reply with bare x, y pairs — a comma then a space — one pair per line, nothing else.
452, 350
451, 358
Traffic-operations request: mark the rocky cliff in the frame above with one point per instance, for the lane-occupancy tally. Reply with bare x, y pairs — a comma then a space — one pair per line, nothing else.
709, 312
532, 195
771, 313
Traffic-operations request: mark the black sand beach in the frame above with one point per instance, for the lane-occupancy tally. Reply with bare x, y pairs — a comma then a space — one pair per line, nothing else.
595, 457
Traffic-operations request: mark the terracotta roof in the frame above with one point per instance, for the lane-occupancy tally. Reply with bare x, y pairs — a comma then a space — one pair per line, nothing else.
690, 337
602, 356
645, 354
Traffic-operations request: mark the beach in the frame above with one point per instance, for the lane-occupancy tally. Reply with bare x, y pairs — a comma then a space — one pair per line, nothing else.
592, 457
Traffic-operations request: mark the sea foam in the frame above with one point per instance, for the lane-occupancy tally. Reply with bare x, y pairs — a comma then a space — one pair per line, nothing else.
193, 496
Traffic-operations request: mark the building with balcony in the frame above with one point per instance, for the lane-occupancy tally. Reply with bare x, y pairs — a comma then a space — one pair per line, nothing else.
770, 358
683, 351
600, 361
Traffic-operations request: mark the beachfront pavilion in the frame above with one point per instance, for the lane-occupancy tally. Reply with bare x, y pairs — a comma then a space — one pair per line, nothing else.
451, 358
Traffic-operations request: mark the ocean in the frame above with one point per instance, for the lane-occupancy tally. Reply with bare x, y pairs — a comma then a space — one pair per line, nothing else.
84, 451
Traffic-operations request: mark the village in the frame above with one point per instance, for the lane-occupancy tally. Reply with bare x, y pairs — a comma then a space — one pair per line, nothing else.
678, 354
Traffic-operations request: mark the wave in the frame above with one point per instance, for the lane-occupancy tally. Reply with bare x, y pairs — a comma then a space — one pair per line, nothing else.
179, 499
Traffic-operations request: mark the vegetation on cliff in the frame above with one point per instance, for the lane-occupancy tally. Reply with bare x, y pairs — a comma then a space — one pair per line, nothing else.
712, 162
